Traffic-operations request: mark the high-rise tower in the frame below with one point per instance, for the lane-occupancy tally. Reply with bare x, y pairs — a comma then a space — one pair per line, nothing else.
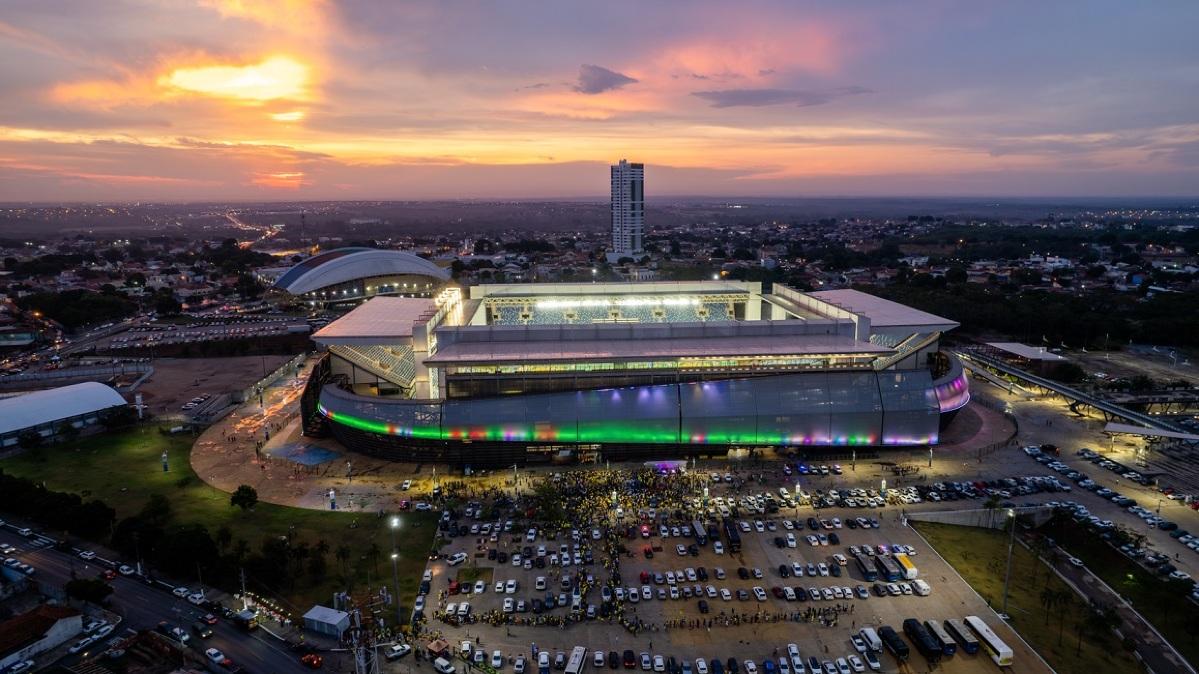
628, 210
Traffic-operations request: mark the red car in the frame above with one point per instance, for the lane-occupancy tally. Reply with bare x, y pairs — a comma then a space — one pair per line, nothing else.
209, 619
108, 574
312, 661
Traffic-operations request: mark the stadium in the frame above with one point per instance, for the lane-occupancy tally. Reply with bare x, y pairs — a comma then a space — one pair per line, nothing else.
513, 374
347, 276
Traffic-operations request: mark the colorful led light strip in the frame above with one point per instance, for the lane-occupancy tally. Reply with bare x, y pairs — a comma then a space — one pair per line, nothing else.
600, 433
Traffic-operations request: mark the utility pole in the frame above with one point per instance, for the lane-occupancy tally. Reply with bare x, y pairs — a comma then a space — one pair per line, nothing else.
244, 604
1011, 542
395, 573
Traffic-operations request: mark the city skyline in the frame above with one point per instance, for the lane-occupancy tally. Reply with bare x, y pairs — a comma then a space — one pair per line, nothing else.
287, 99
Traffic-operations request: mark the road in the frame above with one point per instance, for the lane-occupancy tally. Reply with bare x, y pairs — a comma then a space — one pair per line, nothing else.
143, 607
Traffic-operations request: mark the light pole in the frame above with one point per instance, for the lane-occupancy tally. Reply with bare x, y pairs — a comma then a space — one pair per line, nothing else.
1011, 541
395, 580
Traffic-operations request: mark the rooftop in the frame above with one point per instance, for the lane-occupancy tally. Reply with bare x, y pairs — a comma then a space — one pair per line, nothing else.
41, 407
882, 313
1025, 351
22, 630
377, 319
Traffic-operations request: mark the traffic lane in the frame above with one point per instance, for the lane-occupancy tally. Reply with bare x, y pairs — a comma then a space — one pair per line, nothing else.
143, 607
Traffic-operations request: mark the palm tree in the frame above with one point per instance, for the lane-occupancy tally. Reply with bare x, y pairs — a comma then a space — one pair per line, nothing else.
991, 504
1049, 600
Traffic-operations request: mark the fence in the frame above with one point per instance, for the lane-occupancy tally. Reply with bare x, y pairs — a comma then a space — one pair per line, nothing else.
91, 372
261, 385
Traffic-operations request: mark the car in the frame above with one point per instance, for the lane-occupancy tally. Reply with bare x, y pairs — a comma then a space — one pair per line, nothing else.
759, 593
855, 663
1074, 561
718, 547
195, 598
518, 667
509, 587
87, 555
216, 657
181, 592
456, 558
750, 667
126, 570
659, 663
646, 662
23, 666
25, 531
681, 550
397, 651
872, 661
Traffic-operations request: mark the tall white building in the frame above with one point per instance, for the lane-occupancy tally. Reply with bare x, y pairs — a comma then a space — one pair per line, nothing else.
628, 210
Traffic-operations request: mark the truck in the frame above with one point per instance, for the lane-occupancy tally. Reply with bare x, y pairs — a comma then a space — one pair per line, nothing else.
732, 536
894, 643
905, 565
700, 533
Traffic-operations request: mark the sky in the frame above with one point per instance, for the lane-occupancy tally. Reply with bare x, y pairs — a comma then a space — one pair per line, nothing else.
176, 100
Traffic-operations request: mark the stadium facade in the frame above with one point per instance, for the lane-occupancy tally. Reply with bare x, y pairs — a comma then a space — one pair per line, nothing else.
539, 372
343, 277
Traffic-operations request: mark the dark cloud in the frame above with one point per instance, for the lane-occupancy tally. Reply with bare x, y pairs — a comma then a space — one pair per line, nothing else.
597, 79
756, 98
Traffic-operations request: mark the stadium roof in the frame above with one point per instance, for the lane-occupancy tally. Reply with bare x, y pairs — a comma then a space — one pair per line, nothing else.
349, 264
43, 407
378, 319
1128, 429
1025, 351
882, 313
617, 349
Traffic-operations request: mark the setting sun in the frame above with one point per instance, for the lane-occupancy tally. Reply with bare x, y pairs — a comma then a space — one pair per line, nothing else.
276, 77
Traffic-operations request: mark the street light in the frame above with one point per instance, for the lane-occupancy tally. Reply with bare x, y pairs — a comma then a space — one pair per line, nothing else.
1011, 541
395, 573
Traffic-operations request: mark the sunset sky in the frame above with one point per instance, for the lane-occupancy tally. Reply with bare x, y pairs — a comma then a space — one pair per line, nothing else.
292, 99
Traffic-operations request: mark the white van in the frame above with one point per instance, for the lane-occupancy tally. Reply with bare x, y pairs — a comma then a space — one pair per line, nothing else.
871, 638
921, 588
443, 666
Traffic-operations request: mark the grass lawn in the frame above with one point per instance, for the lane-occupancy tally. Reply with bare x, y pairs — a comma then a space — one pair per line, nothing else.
980, 556
1167, 608
124, 469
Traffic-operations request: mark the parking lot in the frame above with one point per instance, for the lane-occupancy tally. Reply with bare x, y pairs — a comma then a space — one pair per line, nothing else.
631, 575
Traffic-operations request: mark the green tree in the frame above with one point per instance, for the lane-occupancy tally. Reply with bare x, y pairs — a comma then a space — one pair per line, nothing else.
88, 589
244, 497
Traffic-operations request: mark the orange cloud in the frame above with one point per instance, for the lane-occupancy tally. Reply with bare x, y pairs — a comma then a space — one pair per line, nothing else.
275, 77
288, 180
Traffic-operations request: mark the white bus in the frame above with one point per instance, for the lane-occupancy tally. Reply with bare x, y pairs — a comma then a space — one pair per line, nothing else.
578, 659
992, 644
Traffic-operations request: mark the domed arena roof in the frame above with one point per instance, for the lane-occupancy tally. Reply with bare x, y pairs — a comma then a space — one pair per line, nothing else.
348, 264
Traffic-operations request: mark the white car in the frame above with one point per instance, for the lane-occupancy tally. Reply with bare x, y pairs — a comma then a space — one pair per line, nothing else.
80, 645
509, 587
126, 570
681, 550
701, 666
87, 554
195, 598
23, 666
750, 667
796, 659
456, 558
397, 651
406, 485
497, 659
718, 548
856, 663
725, 594
759, 593
181, 592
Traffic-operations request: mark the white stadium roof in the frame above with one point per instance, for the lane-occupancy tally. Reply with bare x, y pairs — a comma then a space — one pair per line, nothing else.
384, 319
349, 264
882, 313
1025, 351
42, 407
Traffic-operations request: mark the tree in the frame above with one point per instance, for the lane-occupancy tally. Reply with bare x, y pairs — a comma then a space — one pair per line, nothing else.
157, 510
244, 497
955, 275
223, 537
29, 439
88, 589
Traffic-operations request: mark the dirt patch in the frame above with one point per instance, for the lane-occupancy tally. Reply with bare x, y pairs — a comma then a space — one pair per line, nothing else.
177, 380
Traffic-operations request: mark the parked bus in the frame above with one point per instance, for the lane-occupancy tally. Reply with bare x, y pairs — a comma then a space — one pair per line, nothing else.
867, 570
929, 647
701, 533
894, 643
578, 660
948, 645
905, 565
732, 536
888, 569
1000, 652
713, 532
962, 635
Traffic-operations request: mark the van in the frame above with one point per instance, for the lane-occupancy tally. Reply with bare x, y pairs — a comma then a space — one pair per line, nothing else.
871, 638
443, 666
921, 588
